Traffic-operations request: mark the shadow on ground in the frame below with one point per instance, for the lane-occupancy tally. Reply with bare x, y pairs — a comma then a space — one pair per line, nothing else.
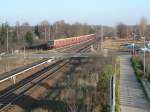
29, 104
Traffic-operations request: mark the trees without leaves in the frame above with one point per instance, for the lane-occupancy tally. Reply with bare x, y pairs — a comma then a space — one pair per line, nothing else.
44, 31
121, 30
143, 26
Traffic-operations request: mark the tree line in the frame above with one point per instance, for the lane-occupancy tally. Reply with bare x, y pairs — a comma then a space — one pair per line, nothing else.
20, 35
141, 29
25, 34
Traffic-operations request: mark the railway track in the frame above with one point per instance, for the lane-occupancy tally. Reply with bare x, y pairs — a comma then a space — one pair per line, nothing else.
12, 94
15, 93
67, 48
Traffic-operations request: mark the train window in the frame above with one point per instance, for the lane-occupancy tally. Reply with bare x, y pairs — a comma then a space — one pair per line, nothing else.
51, 42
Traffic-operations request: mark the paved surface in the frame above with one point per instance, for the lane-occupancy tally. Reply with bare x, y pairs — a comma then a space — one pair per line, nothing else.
132, 98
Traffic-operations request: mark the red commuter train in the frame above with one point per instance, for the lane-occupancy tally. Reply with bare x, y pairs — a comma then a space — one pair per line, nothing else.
63, 42
70, 41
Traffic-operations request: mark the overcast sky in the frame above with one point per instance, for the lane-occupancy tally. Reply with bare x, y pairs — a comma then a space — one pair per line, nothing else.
107, 12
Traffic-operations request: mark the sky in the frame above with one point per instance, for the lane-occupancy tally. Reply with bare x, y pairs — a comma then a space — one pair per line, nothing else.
93, 12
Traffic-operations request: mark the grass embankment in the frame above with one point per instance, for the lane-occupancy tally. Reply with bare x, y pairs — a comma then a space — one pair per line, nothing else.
117, 107
139, 70
138, 67
143, 79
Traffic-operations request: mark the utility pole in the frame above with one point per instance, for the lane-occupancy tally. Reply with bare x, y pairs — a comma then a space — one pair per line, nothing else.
24, 52
17, 28
144, 56
133, 52
24, 49
49, 32
45, 33
101, 37
133, 44
7, 40
56, 31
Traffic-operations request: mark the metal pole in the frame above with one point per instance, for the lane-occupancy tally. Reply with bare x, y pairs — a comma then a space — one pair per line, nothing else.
144, 57
55, 32
133, 45
24, 52
114, 96
133, 49
45, 33
24, 49
7, 40
49, 32
112, 93
101, 37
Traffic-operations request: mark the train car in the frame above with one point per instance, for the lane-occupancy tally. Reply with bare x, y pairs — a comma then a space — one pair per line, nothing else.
70, 41
50, 44
62, 42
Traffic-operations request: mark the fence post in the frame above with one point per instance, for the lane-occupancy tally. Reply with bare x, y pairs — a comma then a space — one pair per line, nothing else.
112, 93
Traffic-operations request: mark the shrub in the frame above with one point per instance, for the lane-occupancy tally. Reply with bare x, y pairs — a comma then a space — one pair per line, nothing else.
138, 72
137, 64
29, 38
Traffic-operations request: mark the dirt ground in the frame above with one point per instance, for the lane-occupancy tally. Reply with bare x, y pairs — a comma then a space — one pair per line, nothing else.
115, 44
8, 64
20, 77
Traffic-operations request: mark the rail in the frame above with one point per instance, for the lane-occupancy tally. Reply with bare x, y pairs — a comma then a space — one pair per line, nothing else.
12, 74
8, 97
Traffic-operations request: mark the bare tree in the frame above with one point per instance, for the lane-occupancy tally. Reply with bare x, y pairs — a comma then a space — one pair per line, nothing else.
44, 30
25, 27
17, 30
143, 26
123, 31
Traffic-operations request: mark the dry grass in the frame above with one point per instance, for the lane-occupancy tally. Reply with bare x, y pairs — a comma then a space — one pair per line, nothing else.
83, 82
9, 64
115, 44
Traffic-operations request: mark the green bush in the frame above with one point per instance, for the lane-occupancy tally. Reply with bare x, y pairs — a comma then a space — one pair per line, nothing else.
137, 64
148, 76
139, 73
29, 38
